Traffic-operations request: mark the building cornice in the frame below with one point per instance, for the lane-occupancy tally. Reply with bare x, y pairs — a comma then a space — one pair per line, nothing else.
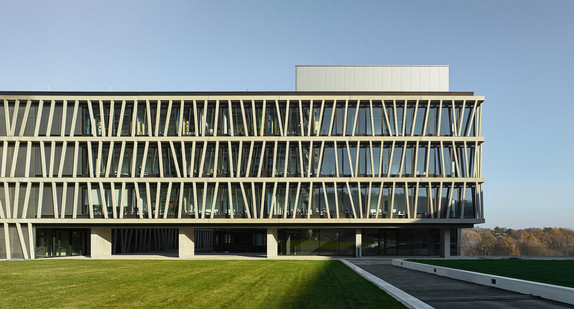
230, 93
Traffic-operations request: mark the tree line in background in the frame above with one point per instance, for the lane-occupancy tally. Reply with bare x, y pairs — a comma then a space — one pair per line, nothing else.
527, 242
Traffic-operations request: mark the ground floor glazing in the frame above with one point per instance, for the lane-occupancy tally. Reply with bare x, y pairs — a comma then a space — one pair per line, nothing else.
186, 242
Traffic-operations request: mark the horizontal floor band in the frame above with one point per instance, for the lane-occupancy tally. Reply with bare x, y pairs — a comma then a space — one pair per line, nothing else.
189, 138
279, 221
326, 180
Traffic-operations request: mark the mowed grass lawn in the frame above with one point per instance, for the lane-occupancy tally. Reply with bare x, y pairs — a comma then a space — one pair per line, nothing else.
559, 272
186, 284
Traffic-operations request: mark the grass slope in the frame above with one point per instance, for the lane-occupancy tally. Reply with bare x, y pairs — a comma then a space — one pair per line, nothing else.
186, 284
559, 272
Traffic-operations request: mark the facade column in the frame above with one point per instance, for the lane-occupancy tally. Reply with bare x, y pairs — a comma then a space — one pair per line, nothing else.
458, 238
358, 243
271, 243
186, 242
32, 240
7, 242
444, 243
100, 242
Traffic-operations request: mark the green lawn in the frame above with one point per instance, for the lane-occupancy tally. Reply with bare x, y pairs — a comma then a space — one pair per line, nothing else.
186, 284
559, 272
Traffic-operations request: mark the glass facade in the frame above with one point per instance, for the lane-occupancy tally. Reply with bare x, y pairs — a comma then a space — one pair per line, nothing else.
317, 242
255, 158
375, 242
402, 242
58, 242
239, 240
144, 240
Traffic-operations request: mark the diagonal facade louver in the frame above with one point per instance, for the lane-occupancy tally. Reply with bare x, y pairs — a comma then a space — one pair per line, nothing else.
344, 173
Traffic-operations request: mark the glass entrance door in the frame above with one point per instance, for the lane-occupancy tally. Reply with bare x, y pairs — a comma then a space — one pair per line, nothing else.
51, 242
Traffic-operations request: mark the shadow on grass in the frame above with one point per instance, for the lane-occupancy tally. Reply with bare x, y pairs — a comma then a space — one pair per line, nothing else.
334, 285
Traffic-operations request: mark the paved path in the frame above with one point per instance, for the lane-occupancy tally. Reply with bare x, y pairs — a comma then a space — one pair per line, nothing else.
442, 292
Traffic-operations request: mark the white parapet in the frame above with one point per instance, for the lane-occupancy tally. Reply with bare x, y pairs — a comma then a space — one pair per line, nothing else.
548, 291
392, 78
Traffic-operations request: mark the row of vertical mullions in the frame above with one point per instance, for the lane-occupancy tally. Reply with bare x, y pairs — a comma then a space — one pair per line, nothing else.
55, 165
106, 126
411, 207
456, 125
283, 126
141, 238
58, 208
105, 199
11, 124
366, 208
27, 252
402, 167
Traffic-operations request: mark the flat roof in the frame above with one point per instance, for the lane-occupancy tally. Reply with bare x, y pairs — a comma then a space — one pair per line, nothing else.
230, 93
371, 65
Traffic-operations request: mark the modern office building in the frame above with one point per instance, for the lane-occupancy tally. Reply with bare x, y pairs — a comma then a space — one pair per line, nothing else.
367, 160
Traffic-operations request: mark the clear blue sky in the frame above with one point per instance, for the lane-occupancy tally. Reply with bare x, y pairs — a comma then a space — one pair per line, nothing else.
519, 54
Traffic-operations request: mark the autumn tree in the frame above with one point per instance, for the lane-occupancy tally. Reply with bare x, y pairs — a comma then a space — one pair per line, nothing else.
527, 242
471, 243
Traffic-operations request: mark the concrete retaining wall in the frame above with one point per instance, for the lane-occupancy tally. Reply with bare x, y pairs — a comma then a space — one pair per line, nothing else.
548, 291
406, 299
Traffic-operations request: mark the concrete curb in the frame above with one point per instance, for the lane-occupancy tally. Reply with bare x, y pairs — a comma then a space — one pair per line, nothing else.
403, 297
548, 291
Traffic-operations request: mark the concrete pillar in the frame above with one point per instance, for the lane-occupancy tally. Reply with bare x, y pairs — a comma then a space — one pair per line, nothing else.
32, 240
271, 243
288, 245
100, 242
445, 243
358, 243
7, 241
458, 237
186, 242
